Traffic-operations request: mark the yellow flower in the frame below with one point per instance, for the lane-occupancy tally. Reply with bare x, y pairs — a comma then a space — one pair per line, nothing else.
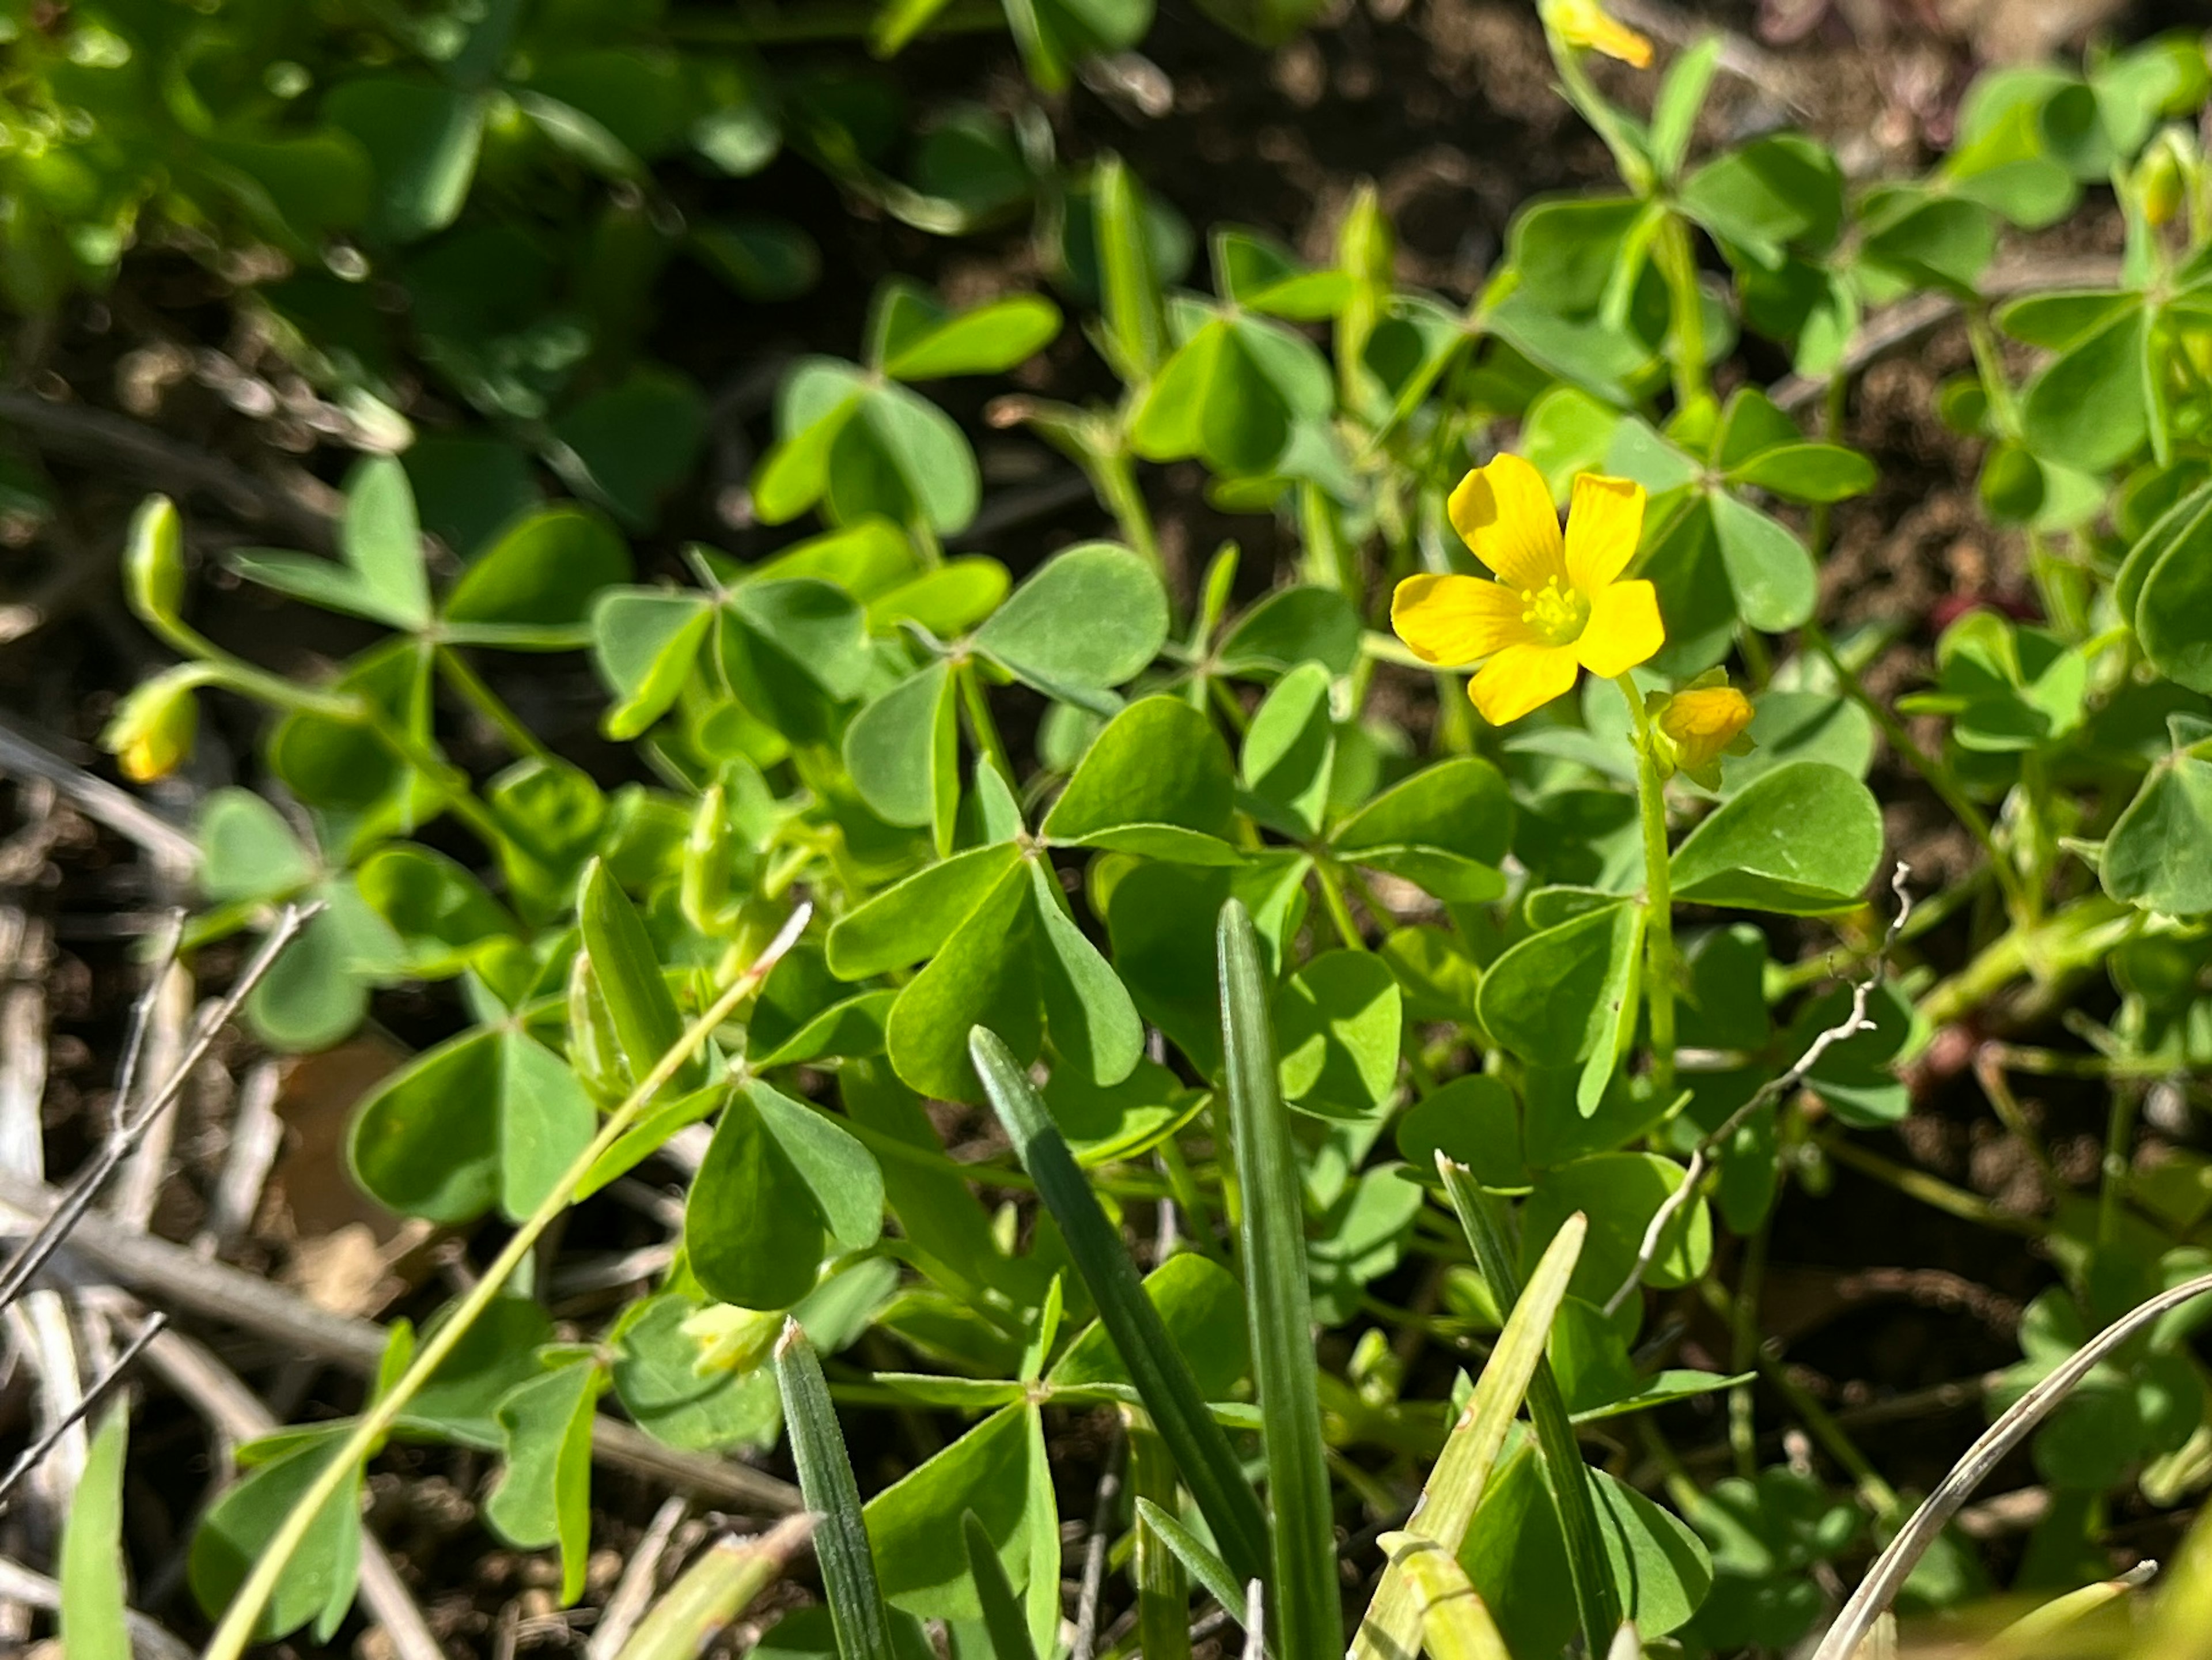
151, 734
730, 1338
1704, 723
1585, 23
1558, 605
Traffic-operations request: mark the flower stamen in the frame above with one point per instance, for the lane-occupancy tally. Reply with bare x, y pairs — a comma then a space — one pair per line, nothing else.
1556, 612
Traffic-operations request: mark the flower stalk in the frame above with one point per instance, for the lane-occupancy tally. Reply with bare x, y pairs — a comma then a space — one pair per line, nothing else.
1658, 893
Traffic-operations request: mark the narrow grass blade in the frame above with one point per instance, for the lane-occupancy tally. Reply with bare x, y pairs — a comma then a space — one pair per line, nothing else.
1307, 1619
93, 1623
2183, 1613
1209, 1569
1163, 1380
1455, 1622
1002, 1610
1392, 1627
825, 1475
1162, 1591
714, 1590
1596, 1598
1890, 1569
2031, 1634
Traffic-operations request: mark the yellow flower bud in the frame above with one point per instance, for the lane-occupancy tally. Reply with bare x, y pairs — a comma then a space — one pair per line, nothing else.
1704, 723
730, 1338
2162, 176
151, 734
1585, 23
154, 562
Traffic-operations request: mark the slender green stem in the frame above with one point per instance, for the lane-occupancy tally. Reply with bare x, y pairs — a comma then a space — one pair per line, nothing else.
461, 675
235, 1631
1743, 1346
982, 726
1116, 479
2113, 1174
1658, 895
1686, 339
1340, 909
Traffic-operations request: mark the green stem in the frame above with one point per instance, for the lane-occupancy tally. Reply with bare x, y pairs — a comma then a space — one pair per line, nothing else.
981, 726
1743, 1347
235, 1631
1339, 910
1658, 895
2119, 1136
1116, 480
462, 676
1163, 1592
1686, 339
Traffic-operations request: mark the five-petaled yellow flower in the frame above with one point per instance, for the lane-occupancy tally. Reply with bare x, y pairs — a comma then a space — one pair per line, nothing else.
1586, 23
1558, 605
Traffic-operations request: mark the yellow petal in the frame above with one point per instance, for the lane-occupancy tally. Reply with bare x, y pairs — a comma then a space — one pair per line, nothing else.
1456, 619
1504, 513
1604, 524
1584, 23
1520, 678
1624, 628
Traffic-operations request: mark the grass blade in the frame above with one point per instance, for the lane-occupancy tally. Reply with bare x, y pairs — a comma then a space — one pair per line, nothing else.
1307, 1619
1455, 1622
1890, 1569
1209, 1569
1596, 1598
1002, 1610
1163, 1592
714, 1590
1392, 1627
1163, 1380
825, 1477
91, 1619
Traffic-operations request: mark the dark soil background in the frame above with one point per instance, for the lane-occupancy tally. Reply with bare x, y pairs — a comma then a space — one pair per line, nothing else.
1447, 106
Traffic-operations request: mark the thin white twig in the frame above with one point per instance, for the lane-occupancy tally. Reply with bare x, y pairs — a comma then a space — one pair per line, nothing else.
33, 1589
127, 1133
1256, 1621
91, 1397
1896, 1561
1094, 1546
256, 1136
633, 1593
1776, 1089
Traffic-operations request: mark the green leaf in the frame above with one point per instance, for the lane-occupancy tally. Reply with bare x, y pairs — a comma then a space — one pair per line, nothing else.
441, 912
915, 338
902, 751
631, 444
1620, 1192
543, 1495
1776, 191
1307, 1619
906, 458
534, 588
1768, 568
992, 1470
93, 1591
1094, 1025
1803, 840
983, 975
1290, 749
2088, 409
1155, 1364
815, 403
248, 851
1205, 1566
2170, 612
657, 1378
780, 1183
1337, 1020
318, 991
460, 1400
1472, 1121
2155, 856
490, 1116
1546, 998
914, 918
1170, 972
1130, 280
1002, 1612
318, 1583
1292, 626
825, 1480
1446, 828
1159, 762
1089, 617
645, 1016
1202, 1310
1807, 472
644, 643
423, 139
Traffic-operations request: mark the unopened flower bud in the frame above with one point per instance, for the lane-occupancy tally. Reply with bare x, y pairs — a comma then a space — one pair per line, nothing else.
731, 1338
151, 734
1701, 724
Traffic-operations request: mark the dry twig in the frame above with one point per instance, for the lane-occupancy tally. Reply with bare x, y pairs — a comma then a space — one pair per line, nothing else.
90, 1397
1777, 1089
